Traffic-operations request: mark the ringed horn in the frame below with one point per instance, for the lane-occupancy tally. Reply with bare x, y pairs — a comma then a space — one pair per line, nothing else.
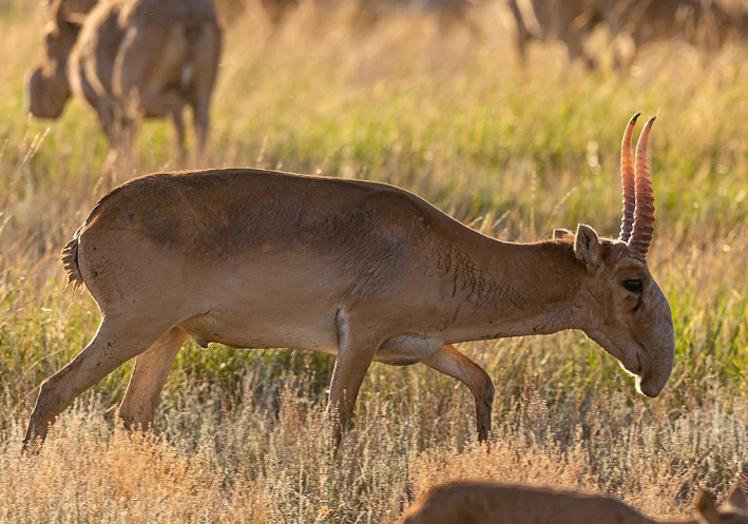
637, 222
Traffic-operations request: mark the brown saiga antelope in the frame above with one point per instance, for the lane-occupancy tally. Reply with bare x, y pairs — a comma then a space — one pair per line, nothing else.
130, 59
468, 502
361, 270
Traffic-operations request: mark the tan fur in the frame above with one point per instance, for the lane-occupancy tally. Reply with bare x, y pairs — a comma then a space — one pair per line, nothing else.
106, 57
362, 270
467, 502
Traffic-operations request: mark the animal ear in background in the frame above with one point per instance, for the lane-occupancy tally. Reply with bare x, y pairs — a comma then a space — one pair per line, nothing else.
561, 233
587, 247
705, 505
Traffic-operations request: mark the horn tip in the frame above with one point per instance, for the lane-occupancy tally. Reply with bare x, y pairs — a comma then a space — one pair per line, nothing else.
632, 120
651, 121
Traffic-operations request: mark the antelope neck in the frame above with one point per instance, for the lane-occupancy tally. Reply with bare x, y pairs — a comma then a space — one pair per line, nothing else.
505, 289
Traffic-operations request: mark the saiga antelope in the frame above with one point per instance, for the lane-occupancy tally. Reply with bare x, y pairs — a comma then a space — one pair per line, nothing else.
130, 58
361, 270
468, 502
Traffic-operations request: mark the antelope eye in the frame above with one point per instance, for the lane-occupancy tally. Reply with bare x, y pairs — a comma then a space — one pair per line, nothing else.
634, 285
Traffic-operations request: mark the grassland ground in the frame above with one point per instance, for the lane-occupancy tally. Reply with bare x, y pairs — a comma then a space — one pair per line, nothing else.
239, 435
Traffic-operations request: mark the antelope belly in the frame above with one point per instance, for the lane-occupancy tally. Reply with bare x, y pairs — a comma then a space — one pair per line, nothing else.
408, 349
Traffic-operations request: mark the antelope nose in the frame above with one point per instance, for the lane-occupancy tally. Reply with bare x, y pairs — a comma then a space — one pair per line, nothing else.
649, 390
650, 385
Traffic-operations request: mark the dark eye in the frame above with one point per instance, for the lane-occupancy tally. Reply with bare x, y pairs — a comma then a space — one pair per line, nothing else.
634, 285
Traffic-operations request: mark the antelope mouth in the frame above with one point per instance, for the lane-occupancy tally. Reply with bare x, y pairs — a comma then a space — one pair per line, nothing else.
647, 389
638, 370
631, 363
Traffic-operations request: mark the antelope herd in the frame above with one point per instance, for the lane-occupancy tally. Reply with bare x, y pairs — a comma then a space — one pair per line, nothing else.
101, 51
702, 23
363, 271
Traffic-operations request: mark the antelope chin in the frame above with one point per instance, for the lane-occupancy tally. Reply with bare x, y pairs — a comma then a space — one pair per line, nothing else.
648, 389
630, 361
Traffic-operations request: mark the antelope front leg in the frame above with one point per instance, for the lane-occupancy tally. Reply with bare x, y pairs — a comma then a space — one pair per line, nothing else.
355, 353
453, 363
148, 378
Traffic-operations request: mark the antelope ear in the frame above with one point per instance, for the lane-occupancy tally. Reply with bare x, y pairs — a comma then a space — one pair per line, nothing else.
706, 507
561, 233
587, 247
737, 499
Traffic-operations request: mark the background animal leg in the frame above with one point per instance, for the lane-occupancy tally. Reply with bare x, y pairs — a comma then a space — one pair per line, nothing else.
177, 119
146, 80
117, 158
121, 135
453, 363
201, 118
522, 34
154, 104
114, 343
204, 57
152, 368
575, 50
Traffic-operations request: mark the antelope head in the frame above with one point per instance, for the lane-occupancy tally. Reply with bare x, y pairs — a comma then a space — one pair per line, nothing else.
47, 84
624, 310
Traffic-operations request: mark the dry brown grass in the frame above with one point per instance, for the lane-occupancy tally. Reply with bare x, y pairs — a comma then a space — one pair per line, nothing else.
240, 436
250, 465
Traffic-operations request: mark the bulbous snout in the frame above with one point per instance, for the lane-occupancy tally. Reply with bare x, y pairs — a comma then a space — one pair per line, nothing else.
645, 350
651, 382
46, 94
650, 389
659, 355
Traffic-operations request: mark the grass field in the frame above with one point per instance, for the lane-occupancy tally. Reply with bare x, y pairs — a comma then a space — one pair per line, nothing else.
240, 435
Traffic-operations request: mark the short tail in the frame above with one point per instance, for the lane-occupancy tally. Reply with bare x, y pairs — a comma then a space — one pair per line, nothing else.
69, 257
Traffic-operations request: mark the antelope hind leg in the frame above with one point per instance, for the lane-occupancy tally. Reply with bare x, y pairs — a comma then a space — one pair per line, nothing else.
152, 368
115, 342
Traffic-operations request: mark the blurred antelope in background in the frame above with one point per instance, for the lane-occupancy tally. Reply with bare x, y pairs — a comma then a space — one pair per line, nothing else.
487, 503
568, 21
701, 23
361, 270
130, 59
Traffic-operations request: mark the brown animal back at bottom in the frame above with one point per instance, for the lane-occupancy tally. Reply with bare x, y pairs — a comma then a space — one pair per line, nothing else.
475, 502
